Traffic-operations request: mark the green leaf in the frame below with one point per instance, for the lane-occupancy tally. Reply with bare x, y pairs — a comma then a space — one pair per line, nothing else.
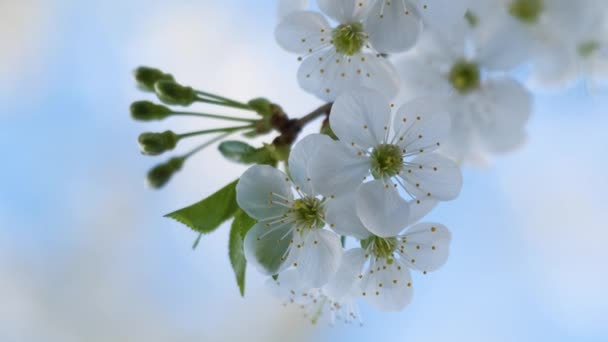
240, 226
205, 216
237, 151
243, 153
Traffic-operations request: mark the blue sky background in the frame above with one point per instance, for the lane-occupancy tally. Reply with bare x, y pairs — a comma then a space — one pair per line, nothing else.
86, 255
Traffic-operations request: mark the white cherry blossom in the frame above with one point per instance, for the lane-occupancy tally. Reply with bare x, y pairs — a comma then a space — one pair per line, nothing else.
380, 271
562, 39
394, 26
290, 230
286, 7
489, 110
396, 153
336, 58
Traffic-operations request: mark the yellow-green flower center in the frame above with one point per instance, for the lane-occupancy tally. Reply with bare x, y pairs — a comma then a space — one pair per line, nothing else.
587, 49
386, 161
381, 247
349, 38
465, 76
309, 213
527, 11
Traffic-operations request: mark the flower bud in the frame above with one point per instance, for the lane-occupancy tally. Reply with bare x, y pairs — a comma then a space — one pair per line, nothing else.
148, 111
146, 77
153, 144
172, 93
161, 174
261, 106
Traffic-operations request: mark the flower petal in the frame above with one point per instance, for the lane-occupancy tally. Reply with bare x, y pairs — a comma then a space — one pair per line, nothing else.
361, 117
303, 32
327, 74
381, 209
319, 257
268, 247
301, 159
388, 287
421, 125
392, 27
259, 190
432, 176
426, 246
507, 107
286, 7
288, 286
345, 282
341, 215
337, 169
342, 11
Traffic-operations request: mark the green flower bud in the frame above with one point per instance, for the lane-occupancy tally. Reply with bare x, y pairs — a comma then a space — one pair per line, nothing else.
146, 77
161, 174
262, 106
172, 93
148, 111
153, 144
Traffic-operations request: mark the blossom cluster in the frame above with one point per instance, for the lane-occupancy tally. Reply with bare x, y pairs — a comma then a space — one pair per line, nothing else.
384, 167
412, 91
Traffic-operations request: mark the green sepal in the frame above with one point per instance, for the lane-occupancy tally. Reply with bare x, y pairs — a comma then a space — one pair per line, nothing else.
279, 153
326, 129
240, 226
207, 215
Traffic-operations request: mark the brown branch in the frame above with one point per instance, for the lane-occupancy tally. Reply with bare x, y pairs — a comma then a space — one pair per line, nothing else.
291, 128
323, 110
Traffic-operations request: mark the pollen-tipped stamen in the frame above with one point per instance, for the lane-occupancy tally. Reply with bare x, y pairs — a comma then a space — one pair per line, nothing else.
349, 38
309, 213
386, 161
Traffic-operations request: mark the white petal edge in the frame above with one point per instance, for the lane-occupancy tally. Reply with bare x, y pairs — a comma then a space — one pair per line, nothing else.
381, 209
341, 215
258, 190
319, 257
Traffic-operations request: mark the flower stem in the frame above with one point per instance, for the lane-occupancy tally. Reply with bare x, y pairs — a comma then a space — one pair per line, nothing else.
215, 130
207, 144
213, 116
216, 99
323, 110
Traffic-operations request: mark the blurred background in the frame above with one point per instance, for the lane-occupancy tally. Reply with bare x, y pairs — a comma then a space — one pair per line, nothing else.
85, 254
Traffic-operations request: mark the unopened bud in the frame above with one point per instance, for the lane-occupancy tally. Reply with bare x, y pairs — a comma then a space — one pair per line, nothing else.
153, 144
261, 106
148, 111
172, 93
161, 174
146, 77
